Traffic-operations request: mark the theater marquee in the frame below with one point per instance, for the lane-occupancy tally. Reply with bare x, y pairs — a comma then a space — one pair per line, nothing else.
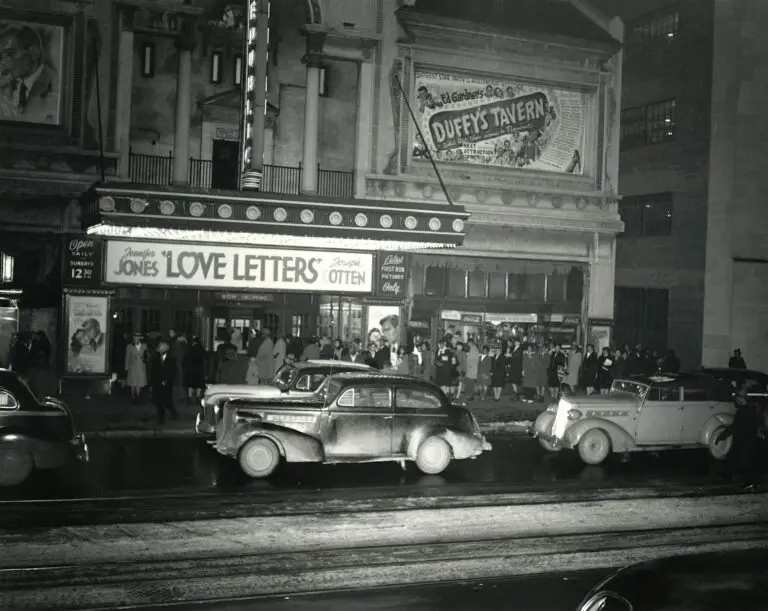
499, 123
220, 267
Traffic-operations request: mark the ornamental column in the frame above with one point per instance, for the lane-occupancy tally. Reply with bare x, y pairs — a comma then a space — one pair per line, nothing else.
311, 112
124, 89
185, 43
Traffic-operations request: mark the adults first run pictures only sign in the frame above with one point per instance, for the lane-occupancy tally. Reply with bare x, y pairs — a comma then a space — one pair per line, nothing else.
234, 267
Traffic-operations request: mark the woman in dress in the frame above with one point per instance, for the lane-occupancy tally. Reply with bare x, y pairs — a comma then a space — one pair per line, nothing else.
530, 374
484, 368
136, 356
426, 361
542, 366
605, 371
498, 372
444, 366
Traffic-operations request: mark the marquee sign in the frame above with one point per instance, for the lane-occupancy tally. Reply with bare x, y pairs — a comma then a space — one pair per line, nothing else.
228, 267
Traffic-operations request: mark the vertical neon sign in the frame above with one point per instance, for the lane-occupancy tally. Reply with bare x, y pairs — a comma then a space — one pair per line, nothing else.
255, 92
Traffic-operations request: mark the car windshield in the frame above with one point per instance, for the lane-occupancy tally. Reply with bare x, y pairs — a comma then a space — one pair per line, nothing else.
284, 376
328, 390
630, 386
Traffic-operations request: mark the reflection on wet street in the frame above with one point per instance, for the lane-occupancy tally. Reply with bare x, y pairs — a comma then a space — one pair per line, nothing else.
125, 467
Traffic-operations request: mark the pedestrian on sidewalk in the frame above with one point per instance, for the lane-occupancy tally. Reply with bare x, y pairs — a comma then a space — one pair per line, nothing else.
444, 366
590, 366
163, 378
311, 350
555, 370
498, 372
573, 375
461, 368
231, 370
403, 365
472, 362
541, 365
744, 457
514, 363
530, 374
484, 369
194, 369
265, 358
252, 374
605, 371
737, 361
136, 356
280, 350
427, 361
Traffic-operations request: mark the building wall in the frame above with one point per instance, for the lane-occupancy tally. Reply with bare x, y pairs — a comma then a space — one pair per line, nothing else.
736, 306
680, 69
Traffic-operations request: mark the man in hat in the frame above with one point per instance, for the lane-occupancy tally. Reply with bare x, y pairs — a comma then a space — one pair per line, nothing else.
163, 376
737, 361
744, 457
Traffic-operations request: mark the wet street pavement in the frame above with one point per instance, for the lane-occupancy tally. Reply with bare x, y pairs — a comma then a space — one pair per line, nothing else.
552, 592
187, 466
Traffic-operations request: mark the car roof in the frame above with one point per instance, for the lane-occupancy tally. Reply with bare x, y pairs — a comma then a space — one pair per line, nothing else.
664, 379
734, 373
332, 363
377, 376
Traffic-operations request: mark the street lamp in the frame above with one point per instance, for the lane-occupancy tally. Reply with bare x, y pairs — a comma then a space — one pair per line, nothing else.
6, 268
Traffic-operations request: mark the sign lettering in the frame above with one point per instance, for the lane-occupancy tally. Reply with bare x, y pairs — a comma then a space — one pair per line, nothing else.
393, 275
82, 261
234, 267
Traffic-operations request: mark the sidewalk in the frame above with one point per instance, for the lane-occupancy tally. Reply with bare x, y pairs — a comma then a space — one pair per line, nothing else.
119, 416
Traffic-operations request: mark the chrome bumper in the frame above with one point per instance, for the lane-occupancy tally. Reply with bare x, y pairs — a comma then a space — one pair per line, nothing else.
81, 448
203, 428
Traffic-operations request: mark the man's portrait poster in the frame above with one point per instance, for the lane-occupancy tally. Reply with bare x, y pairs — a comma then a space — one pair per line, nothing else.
31, 65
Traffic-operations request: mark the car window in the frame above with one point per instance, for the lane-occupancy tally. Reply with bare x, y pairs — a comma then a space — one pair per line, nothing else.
7, 400
365, 397
664, 393
304, 382
695, 394
315, 380
416, 398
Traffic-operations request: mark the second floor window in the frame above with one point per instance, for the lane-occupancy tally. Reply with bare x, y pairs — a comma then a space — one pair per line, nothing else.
653, 29
650, 124
647, 215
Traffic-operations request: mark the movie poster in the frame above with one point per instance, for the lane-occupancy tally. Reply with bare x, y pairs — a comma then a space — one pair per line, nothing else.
87, 334
499, 123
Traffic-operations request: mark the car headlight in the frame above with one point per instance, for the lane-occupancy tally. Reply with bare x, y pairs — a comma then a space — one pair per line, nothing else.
574, 414
216, 410
606, 601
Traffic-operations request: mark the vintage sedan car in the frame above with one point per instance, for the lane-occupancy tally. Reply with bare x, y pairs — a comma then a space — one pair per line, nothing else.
712, 581
34, 433
644, 413
351, 418
292, 379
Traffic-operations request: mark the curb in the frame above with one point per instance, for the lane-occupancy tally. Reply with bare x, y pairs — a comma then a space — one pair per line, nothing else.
516, 427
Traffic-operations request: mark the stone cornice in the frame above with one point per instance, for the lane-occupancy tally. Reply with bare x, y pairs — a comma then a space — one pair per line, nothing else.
344, 44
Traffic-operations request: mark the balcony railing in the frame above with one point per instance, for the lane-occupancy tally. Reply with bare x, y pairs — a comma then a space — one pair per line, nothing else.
286, 180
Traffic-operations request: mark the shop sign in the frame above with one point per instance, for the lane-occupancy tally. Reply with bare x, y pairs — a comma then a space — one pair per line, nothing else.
571, 321
456, 315
511, 318
418, 324
250, 297
87, 340
236, 267
393, 275
471, 319
601, 322
497, 123
82, 262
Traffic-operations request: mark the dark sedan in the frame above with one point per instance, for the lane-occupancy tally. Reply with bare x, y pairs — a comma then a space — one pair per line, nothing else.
717, 581
351, 418
34, 433
755, 381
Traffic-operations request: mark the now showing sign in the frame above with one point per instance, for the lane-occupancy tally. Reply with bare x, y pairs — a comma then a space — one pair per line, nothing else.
235, 267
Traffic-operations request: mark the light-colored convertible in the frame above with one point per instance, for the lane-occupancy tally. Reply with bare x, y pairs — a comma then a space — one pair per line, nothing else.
647, 413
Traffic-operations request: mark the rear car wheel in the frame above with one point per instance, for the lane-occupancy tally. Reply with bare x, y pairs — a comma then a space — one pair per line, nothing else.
16, 465
434, 456
594, 447
548, 445
259, 457
719, 448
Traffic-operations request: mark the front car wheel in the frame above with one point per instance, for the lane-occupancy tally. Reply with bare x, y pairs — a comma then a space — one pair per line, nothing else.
720, 444
594, 447
259, 457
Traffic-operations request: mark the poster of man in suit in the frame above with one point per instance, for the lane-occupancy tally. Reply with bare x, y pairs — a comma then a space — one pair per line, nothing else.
31, 59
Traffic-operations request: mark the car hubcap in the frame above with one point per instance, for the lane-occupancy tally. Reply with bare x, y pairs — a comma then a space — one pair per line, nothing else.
10, 461
596, 447
721, 448
433, 455
260, 458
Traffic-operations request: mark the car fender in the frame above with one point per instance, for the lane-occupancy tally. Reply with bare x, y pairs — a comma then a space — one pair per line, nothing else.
45, 454
293, 445
463, 445
543, 424
715, 422
621, 440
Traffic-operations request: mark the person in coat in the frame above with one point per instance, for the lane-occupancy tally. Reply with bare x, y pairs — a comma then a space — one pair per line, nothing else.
484, 370
498, 372
136, 356
543, 359
530, 374
605, 371
573, 376
427, 362
514, 362
280, 350
265, 358
231, 370
589, 368
403, 364
555, 370
163, 378
194, 369
252, 373
737, 361
472, 362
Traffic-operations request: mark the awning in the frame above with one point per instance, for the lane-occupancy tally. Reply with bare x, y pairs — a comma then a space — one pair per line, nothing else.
506, 266
244, 217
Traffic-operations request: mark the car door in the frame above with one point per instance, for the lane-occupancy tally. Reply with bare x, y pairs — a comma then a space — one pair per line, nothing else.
699, 405
416, 410
360, 423
660, 420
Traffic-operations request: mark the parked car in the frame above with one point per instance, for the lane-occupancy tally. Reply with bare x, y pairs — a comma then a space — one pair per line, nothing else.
34, 433
702, 582
351, 418
643, 413
292, 379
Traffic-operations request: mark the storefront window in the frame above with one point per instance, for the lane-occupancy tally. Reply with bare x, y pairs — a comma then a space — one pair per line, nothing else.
150, 321
298, 325
497, 285
340, 318
183, 321
556, 288
457, 283
434, 281
476, 283
526, 287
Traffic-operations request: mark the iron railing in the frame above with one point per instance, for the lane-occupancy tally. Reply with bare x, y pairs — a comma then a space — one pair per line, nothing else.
286, 180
